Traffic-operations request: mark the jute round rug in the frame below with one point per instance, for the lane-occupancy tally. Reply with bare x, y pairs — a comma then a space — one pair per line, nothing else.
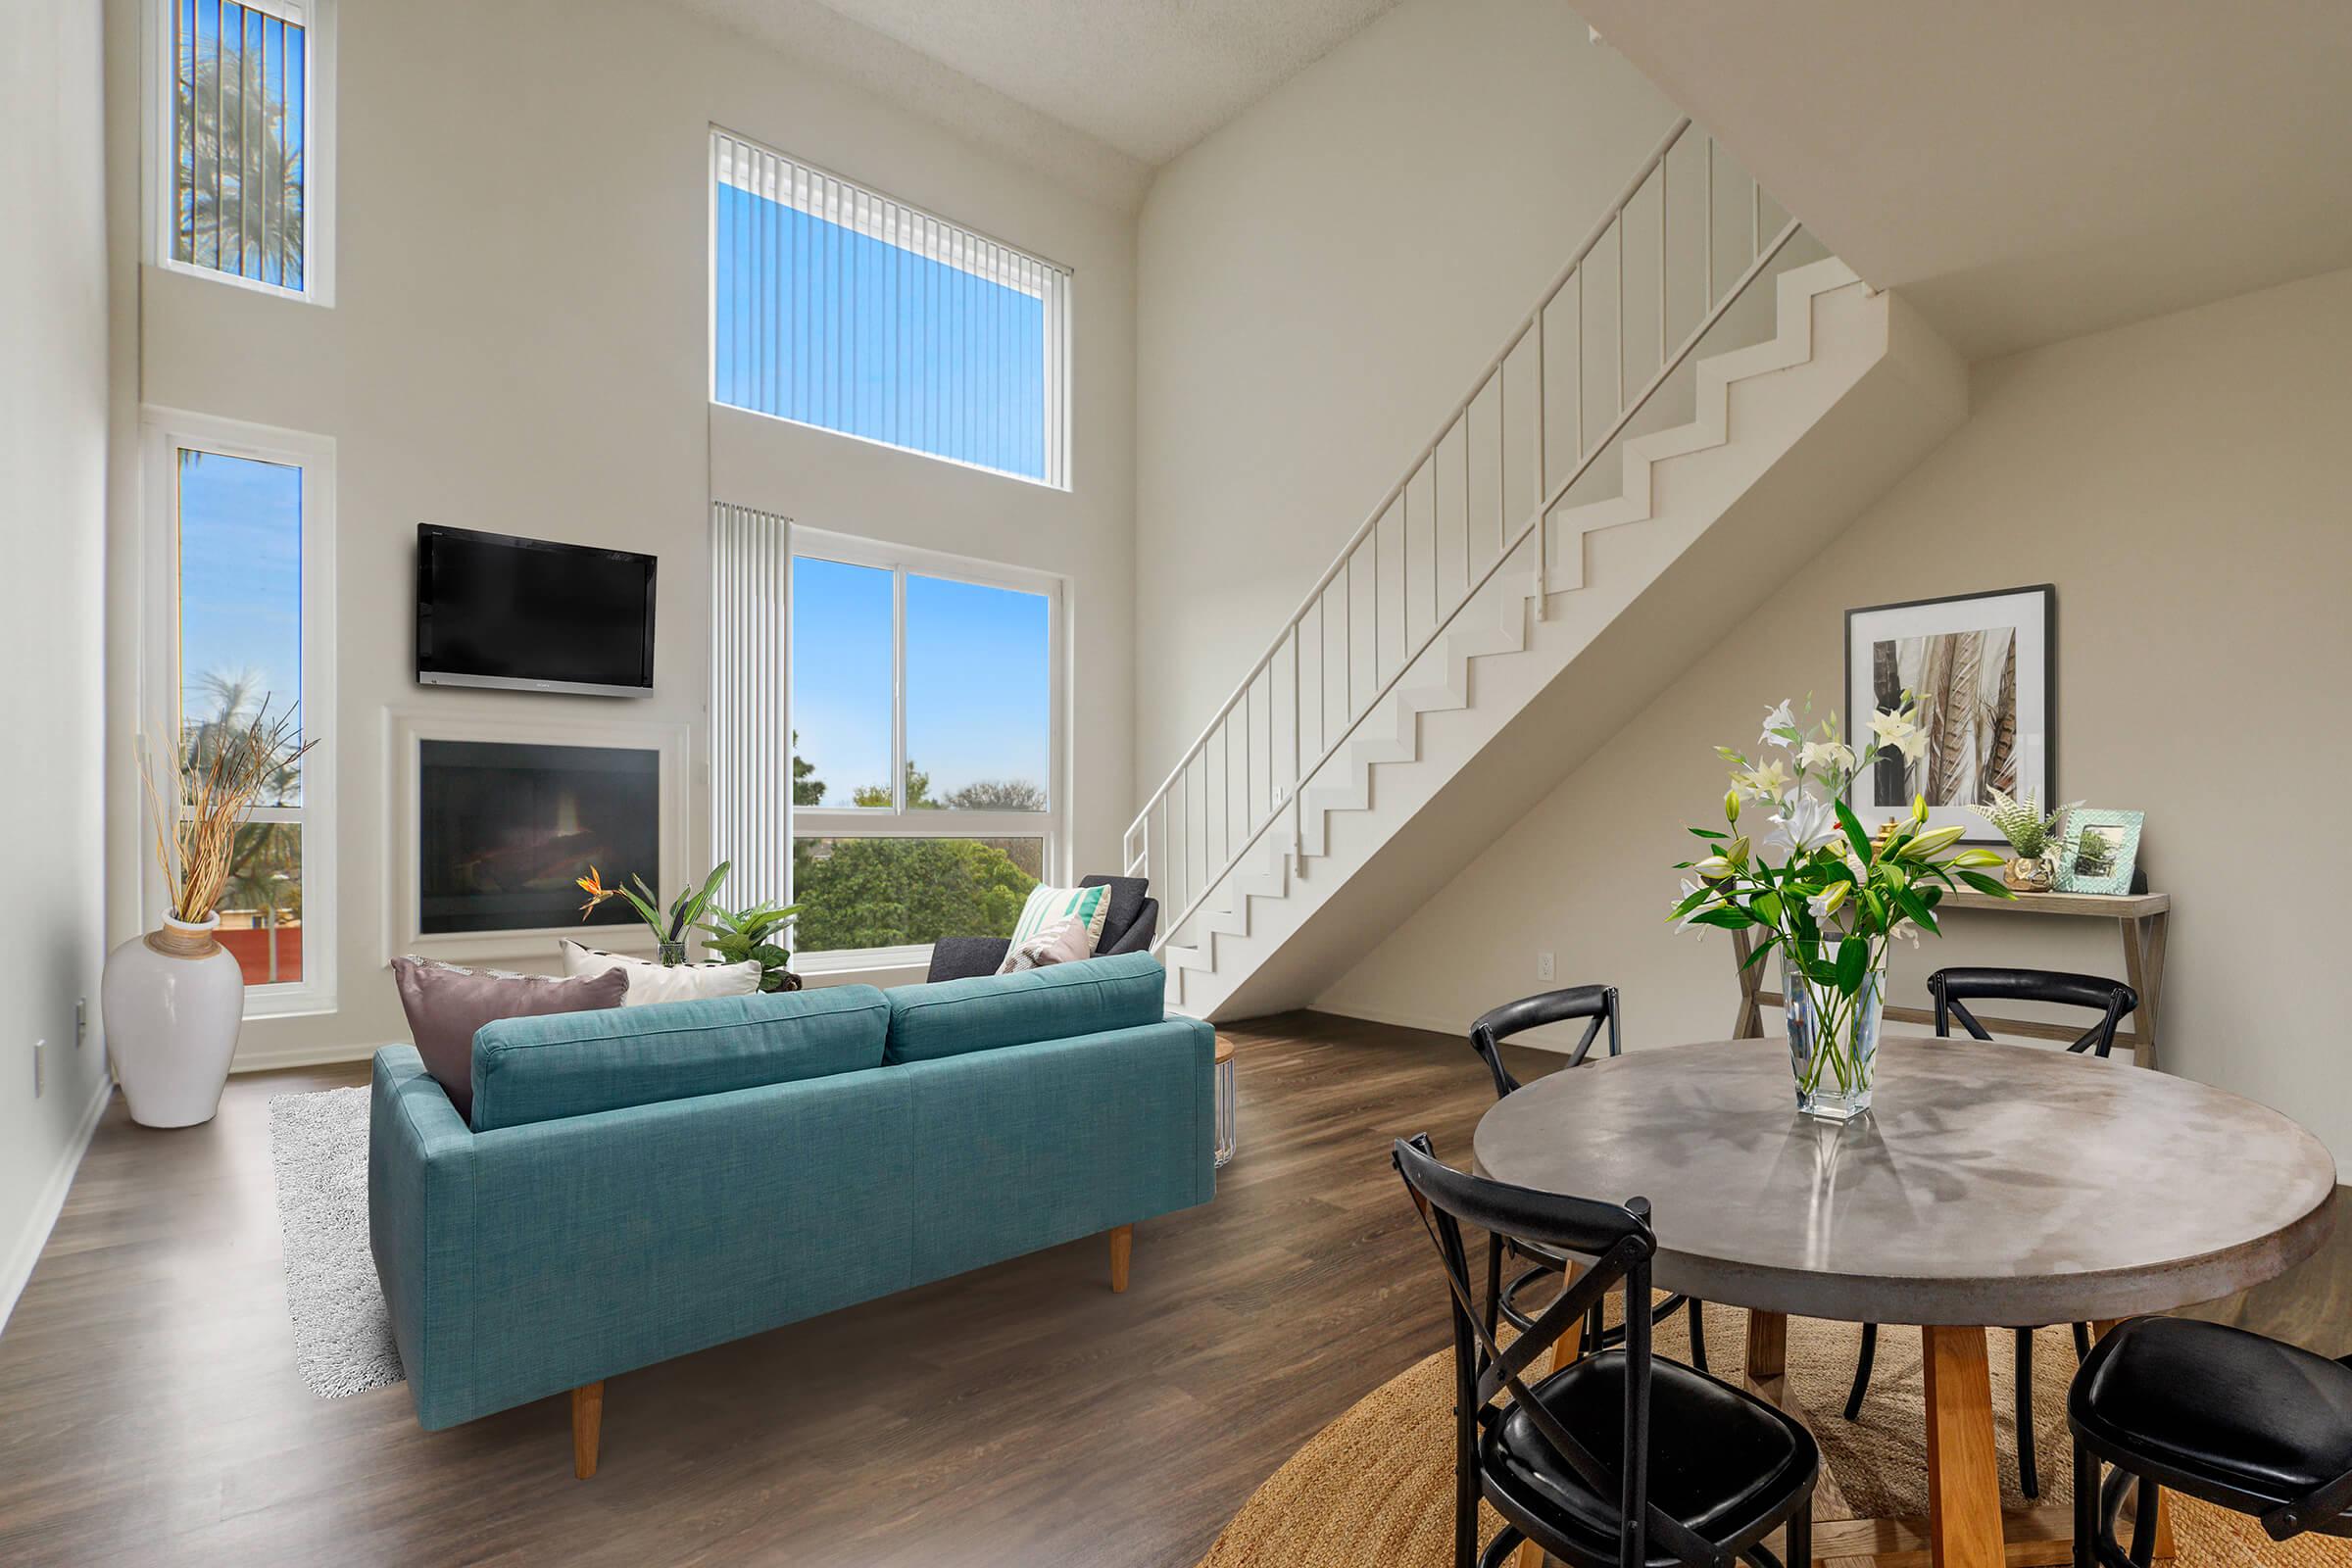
1376, 1487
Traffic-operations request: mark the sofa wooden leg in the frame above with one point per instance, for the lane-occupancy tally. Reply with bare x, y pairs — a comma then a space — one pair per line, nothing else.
587, 1425
1122, 1248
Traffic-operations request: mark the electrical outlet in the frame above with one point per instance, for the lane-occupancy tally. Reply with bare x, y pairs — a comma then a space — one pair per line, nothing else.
1543, 967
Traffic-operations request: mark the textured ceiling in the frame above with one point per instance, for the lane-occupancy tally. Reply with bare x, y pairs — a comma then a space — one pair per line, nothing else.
1139, 80
2025, 171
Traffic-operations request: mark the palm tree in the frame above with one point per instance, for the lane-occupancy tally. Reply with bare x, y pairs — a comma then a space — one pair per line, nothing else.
239, 148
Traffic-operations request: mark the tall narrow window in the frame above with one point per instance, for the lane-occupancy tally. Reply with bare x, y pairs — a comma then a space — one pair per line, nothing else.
240, 120
237, 533
926, 723
836, 306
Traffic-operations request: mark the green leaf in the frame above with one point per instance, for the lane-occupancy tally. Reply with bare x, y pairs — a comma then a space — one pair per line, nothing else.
1706, 833
1730, 920
1762, 947
1767, 908
1853, 831
1854, 956
1984, 884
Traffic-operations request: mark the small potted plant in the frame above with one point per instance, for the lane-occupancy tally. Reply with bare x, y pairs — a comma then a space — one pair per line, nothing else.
2034, 837
670, 930
741, 935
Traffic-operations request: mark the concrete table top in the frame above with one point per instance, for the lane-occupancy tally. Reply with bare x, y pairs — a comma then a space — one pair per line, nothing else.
1992, 1184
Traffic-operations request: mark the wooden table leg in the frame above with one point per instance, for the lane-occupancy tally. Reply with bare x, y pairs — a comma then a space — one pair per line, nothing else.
1566, 1348
2164, 1503
1964, 1483
1748, 1022
2144, 968
1767, 1346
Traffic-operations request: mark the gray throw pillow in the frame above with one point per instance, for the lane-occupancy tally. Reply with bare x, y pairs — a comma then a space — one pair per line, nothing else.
446, 1004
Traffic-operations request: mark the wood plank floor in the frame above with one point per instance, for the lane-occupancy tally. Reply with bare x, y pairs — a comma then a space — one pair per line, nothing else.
150, 1411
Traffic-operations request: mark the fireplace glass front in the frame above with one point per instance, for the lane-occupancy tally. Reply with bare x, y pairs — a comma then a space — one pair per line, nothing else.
505, 830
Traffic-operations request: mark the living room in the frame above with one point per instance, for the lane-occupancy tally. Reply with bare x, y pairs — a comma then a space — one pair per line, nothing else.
1075, 595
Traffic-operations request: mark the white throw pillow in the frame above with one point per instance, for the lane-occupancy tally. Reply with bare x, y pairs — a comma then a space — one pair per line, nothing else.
650, 983
1056, 942
1089, 907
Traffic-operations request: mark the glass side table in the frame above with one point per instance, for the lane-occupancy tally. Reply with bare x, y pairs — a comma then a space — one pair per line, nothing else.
1225, 1098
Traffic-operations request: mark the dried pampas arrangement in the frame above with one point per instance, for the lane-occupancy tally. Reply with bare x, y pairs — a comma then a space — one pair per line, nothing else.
216, 774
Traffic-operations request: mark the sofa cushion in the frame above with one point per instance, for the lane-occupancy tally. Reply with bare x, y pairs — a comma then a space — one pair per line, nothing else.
447, 1003
547, 1069
1088, 997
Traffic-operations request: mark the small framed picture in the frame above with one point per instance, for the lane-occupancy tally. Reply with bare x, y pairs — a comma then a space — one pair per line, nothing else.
1982, 669
2100, 851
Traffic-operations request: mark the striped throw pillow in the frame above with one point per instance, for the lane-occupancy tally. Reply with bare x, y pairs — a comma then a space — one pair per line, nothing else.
1087, 906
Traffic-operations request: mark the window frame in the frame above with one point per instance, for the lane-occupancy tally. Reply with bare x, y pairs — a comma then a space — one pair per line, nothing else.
164, 432
1052, 825
1061, 357
159, 161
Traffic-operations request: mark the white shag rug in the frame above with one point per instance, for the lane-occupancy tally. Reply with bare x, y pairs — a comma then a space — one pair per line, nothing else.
342, 1334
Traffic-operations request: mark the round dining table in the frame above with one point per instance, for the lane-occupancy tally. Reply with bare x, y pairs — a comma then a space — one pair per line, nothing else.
1992, 1186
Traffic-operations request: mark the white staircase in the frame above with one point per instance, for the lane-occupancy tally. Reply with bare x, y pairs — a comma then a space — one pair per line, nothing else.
1458, 660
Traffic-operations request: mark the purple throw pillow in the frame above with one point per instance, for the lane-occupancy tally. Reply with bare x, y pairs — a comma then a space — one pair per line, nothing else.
446, 1004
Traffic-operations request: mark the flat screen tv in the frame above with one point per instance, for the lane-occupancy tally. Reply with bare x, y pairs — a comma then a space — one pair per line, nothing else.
526, 614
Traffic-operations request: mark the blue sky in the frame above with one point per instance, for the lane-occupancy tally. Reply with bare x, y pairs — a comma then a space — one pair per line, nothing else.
244, 39
819, 324
240, 576
978, 682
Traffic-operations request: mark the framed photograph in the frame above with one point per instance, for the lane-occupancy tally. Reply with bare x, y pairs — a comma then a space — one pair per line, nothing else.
1983, 671
2100, 851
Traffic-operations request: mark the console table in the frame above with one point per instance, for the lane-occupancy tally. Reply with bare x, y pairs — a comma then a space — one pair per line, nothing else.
2141, 917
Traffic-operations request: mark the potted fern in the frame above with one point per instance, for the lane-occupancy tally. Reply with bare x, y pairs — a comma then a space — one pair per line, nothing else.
2033, 836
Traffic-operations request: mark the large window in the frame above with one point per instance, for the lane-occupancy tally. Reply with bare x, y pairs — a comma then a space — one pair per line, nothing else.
836, 306
239, 562
239, 104
926, 732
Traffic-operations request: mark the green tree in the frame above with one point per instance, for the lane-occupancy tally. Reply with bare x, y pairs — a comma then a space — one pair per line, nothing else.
918, 792
807, 788
998, 795
887, 892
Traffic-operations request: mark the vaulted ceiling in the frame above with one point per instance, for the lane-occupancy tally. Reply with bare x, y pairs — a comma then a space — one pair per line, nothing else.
2027, 170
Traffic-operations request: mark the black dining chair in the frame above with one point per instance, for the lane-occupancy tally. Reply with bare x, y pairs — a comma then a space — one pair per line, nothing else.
2247, 1423
1598, 1006
1953, 990
1614, 1459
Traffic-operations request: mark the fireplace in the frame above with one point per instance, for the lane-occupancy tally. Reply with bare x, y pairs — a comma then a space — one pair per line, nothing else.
502, 829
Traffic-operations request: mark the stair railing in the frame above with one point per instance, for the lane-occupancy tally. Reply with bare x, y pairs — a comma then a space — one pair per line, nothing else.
1231, 785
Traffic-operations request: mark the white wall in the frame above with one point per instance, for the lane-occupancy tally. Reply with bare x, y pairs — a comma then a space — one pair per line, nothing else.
1319, 284
2184, 482
519, 344
53, 420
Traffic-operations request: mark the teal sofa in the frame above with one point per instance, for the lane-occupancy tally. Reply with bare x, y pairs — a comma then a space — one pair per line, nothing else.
644, 1182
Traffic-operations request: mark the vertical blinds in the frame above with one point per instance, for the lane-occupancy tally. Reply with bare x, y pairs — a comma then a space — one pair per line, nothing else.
239, 101
750, 722
836, 306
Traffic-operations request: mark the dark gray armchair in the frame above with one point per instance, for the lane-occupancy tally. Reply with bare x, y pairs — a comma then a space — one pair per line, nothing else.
1128, 927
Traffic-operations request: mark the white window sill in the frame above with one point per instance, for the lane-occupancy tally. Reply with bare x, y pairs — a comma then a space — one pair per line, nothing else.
886, 967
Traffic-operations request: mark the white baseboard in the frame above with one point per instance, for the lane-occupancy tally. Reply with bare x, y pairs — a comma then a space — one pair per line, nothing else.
26, 1252
1561, 1038
269, 1059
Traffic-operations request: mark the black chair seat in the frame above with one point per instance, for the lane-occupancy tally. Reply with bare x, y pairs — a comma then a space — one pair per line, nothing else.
2202, 1407
1720, 1461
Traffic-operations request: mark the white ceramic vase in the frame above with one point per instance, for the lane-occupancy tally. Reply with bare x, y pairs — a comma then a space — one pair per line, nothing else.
171, 1002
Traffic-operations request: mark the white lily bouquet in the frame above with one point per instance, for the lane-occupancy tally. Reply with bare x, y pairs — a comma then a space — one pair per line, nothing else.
1836, 895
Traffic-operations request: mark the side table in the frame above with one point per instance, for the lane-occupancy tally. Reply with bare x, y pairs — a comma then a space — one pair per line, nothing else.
1225, 1096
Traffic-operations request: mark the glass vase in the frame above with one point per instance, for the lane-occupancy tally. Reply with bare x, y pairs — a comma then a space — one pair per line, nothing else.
1833, 1038
671, 955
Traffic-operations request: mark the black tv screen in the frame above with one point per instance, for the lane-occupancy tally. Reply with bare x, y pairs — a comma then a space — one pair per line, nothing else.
496, 611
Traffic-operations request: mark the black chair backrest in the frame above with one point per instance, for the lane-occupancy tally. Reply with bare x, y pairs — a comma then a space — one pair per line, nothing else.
1127, 898
2112, 999
1617, 1237
1597, 1002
